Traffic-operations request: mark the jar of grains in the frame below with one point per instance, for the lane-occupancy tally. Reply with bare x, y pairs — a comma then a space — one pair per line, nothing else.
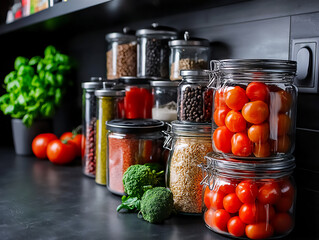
188, 54
89, 121
131, 142
121, 54
249, 199
188, 145
195, 99
164, 100
153, 51
107, 109
254, 108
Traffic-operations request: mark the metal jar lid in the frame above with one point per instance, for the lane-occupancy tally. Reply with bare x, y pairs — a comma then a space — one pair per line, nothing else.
127, 34
202, 74
135, 125
97, 82
156, 29
133, 81
199, 42
167, 83
104, 92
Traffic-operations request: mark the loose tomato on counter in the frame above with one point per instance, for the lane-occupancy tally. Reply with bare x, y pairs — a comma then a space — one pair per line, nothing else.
40, 144
60, 152
77, 139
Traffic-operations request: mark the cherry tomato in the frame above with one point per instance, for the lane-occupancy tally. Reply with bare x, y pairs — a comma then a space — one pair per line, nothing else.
61, 153
208, 217
217, 199
255, 112
227, 188
241, 145
231, 203
257, 91
76, 139
284, 124
247, 191
222, 139
236, 227
220, 219
236, 98
282, 145
285, 101
282, 223
235, 122
269, 193
66, 136
286, 188
219, 98
208, 196
259, 230
284, 204
259, 133
264, 213
40, 144
220, 115
248, 213
262, 150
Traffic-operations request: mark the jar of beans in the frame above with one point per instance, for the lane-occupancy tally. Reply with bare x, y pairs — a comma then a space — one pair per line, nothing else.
188, 54
164, 100
89, 122
195, 99
108, 102
188, 144
153, 51
254, 108
131, 142
121, 54
249, 199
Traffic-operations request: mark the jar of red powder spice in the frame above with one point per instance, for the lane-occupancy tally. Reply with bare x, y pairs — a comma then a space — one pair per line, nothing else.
131, 142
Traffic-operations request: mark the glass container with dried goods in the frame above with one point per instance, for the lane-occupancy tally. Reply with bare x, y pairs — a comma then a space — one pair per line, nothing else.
188, 144
164, 100
89, 122
188, 54
254, 108
107, 109
153, 51
130, 142
121, 54
195, 99
249, 199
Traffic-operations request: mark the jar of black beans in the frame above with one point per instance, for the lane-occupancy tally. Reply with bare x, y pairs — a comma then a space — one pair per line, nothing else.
195, 99
153, 51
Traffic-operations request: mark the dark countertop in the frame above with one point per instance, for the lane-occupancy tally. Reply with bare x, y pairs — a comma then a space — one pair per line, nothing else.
39, 200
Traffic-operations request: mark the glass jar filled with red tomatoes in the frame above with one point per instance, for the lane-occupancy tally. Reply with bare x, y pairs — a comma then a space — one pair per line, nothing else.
254, 108
247, 199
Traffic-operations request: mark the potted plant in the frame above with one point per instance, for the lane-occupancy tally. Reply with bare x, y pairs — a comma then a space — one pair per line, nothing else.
34, 91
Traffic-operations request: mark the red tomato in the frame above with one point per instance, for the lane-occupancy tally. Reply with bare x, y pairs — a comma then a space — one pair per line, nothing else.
284, 124
241, 145
236, 227
286, 188
235, 122
257, 91
220, 115
282, 145
208, 196
269, 193
217, 199
262, 150
248, 213
232, 203
282, 223
259, 231
61, 153
220, 219
259, 133
284, 204
77, 140
222, 139
227, 188
40, 144
208, 217
285, 100
247, 191
219, 98
264, 213
255, 112
236, 98
66, 136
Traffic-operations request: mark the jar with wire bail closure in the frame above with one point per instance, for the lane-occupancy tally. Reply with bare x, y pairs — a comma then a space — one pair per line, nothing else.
254, 108
249, 199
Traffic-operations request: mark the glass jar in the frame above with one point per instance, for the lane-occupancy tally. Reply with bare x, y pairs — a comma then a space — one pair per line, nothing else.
153, 51
132, 142
249, 199
164, 100
254, 108
107, 109
188, 145
121, 54
89, 121
188, 54
195, 99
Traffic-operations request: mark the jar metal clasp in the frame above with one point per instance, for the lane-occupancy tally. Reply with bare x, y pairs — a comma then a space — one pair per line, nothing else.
214, 74
209, 174
168, 137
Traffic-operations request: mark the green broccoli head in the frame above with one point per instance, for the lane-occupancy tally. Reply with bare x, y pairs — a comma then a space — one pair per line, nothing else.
136, 177
157, 204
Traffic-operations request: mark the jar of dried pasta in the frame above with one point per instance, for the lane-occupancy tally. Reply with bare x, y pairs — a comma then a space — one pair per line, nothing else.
188, 145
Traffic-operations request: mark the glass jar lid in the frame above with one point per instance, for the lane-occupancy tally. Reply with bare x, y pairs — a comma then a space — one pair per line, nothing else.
97, 82
167, 83
104, 92
156, 29
187, 41
127, 34
134, 81
135, 125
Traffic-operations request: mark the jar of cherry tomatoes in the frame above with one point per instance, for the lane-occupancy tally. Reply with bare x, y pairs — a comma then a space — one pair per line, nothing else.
254, 108
247, 199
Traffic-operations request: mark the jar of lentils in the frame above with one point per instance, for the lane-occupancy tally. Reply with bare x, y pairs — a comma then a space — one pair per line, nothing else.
194, 97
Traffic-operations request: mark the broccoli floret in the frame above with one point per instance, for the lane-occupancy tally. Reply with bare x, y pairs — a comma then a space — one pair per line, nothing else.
138, 177
157, 204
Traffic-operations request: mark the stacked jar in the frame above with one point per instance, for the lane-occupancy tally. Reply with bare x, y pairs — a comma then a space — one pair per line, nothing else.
250, 192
